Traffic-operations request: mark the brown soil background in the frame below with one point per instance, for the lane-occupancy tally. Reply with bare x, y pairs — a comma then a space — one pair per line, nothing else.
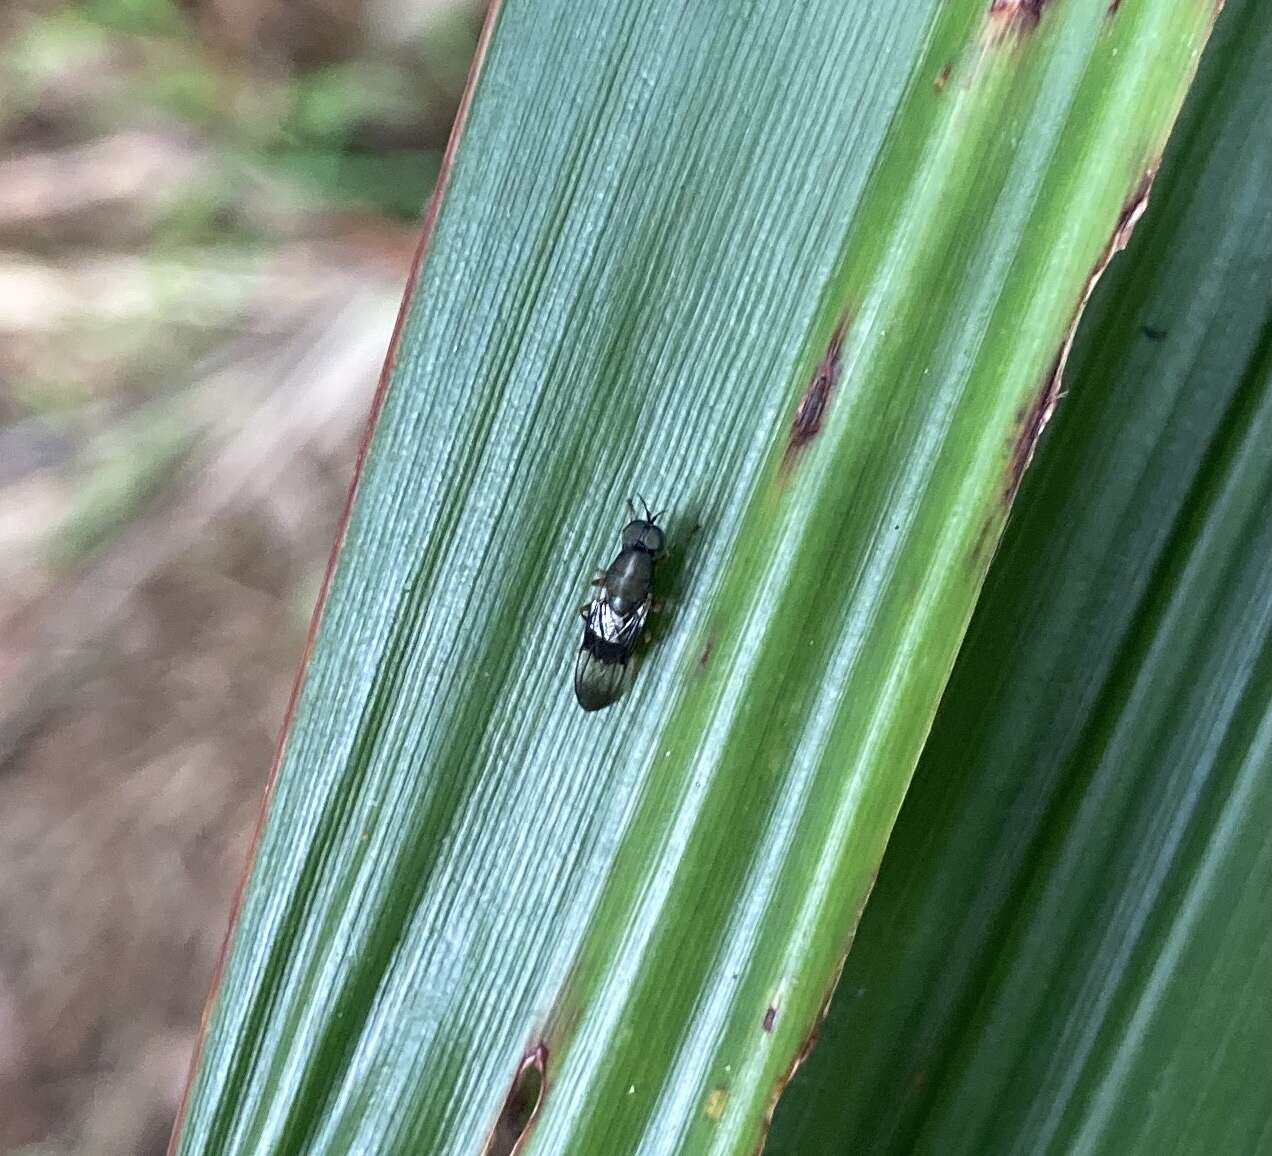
189, 337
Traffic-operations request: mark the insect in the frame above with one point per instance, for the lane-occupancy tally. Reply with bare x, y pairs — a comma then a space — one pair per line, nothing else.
614, 620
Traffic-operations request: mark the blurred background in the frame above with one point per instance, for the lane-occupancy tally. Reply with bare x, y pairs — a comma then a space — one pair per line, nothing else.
207, 212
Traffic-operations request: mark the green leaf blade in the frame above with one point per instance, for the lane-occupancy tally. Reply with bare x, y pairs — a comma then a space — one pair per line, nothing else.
632, 286
1031, 967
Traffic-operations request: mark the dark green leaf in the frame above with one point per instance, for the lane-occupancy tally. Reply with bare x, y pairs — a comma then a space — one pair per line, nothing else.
1068, 945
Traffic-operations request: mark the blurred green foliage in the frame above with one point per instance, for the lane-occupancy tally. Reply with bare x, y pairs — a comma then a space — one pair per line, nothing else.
363, 133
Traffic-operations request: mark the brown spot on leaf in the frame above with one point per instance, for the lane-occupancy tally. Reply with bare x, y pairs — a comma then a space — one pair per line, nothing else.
717, 1101
1026, 11
1113, 7
811, 1039
770, 1018
1012, 19
1033, 418
1034, 415
521, 1108
813, 405
805, 1048
1132, 210
705, 656
942, 78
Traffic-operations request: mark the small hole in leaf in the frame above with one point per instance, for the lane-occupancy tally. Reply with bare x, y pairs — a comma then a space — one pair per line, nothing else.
521, 1106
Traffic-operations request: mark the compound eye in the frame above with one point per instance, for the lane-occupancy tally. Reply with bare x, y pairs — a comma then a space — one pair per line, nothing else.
632, 534
653, 538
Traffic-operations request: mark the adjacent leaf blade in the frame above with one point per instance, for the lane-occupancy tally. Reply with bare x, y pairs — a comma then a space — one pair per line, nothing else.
1060, 950
803, 277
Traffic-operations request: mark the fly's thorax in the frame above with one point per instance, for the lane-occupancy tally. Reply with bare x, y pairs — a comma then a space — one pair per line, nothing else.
630, 580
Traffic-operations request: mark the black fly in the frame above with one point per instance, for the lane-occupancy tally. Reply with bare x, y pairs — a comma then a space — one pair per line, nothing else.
615, 618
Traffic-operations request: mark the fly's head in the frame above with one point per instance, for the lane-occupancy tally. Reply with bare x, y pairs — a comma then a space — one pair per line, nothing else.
643, 533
